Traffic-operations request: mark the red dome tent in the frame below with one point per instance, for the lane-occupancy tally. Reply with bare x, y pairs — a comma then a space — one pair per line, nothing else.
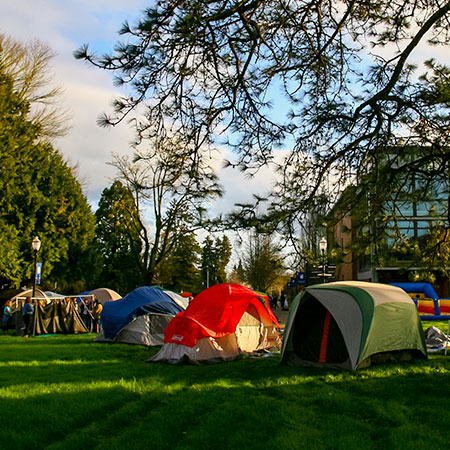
220, 323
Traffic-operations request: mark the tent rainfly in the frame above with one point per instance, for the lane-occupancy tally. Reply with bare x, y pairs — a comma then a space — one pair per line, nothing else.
140, 317
350, 325
220, 323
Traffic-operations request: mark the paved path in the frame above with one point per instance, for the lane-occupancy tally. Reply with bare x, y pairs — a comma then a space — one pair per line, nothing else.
281, 315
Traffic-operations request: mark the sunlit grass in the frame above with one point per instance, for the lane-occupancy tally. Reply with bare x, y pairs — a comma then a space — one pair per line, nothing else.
67, 392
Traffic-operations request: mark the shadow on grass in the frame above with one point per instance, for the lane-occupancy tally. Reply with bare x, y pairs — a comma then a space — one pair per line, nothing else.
72, 393
239, 409
78, 357
67, 392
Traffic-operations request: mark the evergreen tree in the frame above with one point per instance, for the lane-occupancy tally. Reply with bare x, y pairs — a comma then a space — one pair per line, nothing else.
40, 196
237, 274
222, 250
208, 263
118, 240
215, 257
179, 270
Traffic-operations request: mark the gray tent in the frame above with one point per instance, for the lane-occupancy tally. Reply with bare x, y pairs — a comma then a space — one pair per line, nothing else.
351, 325
143, 330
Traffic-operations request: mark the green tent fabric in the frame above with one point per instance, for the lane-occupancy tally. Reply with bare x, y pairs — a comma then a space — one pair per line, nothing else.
350, 325
57, 316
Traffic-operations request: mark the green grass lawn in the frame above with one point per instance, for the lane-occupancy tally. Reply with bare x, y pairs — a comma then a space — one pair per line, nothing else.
67, 392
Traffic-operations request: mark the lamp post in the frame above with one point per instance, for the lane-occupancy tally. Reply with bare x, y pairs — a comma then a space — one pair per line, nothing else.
35, 245
323, 244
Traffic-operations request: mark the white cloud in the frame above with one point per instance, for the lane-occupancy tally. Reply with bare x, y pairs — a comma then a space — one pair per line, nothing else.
87, 143
65, 25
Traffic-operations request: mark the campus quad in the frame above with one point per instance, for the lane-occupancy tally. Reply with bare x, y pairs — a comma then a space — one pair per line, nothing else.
351, 325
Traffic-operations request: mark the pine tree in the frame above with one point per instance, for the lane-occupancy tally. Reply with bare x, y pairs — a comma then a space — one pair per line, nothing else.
40, 196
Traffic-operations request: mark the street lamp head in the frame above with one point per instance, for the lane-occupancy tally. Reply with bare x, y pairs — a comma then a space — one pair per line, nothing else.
36, 244
323, 244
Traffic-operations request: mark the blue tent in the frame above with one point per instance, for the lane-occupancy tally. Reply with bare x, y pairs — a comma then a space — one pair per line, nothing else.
143, 300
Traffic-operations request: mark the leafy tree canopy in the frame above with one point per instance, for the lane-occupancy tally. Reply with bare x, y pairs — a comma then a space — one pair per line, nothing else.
216, 255
332, 80
28, 65
261, 262
171, 187
220, 63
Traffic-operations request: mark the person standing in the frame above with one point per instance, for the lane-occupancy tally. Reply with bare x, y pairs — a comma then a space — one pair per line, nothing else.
27, 314
284, 301
96, 312
86, 314
7, 316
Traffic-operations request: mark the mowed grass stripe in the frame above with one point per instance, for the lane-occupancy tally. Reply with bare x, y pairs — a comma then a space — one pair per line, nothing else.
67, 392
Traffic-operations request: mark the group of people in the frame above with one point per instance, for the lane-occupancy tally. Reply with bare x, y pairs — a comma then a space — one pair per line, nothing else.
90, 311
27, 315
274, 300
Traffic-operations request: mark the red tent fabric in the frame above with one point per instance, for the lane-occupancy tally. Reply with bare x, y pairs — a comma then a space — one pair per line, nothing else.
214, 312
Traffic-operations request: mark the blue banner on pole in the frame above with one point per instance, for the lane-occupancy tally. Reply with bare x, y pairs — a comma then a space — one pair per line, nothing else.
301, 278
38, 273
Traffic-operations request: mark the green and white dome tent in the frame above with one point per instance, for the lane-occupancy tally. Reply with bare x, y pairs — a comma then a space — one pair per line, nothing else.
350, 325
